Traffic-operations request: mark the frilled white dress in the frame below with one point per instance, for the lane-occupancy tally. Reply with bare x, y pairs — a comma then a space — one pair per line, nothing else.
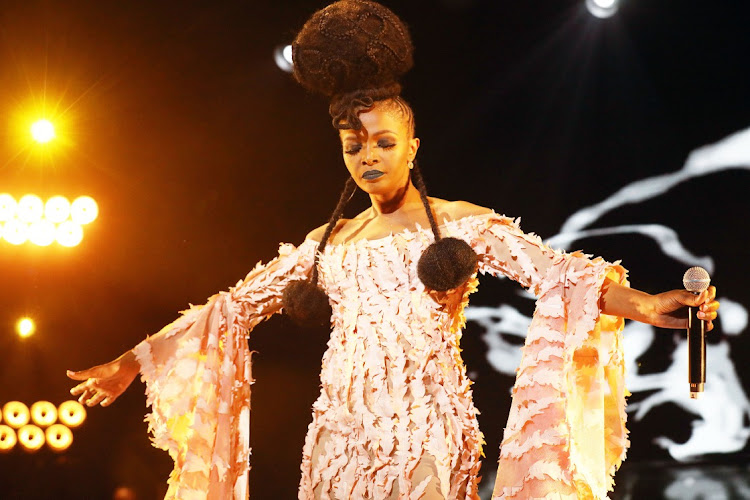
395, 417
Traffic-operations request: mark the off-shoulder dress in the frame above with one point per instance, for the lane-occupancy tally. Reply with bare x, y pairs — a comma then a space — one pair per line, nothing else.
395, 417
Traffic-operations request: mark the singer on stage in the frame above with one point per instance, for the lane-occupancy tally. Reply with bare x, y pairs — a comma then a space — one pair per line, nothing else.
395, 417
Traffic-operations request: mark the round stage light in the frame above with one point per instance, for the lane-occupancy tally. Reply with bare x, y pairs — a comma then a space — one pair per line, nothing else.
31, 437
283, 57
15, 414
25, 327
59, 437
42, 131
43, 413
8, 207
42, 233
30, 208
71, 413
16, 232
84, 210
69, 234
8, 438
57, 209
603, 8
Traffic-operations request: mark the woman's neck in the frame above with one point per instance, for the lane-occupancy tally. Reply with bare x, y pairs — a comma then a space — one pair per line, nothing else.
403, 201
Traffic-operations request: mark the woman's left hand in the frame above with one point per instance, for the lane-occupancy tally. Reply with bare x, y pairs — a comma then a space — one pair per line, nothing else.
668, 308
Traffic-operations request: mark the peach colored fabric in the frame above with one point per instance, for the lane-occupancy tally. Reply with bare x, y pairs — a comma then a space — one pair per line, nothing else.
395, 417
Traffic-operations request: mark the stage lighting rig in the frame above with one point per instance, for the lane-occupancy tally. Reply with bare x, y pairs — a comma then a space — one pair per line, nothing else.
41, 223
45, 423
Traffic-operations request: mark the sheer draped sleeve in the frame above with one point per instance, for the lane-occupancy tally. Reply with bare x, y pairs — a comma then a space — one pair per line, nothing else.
197, 374
566, 434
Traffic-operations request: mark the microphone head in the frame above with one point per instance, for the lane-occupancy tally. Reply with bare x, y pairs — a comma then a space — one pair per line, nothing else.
696, 279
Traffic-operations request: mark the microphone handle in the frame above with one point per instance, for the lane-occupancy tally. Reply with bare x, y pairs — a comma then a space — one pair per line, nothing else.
696, 331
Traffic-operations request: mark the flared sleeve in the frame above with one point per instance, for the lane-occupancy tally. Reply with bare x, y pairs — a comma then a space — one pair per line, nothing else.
566, 436
198, 375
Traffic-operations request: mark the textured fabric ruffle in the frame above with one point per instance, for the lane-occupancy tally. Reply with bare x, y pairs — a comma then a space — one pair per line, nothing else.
197, 375
394, 388
395, 416
566, 433
395, 400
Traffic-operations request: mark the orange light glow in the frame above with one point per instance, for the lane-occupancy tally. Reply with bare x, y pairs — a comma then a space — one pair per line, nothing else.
42, 233
8, 206
84, 210
59, 437
71, 413
43, 131
25, 327
69, 234
57, 209
43, 413
30, 208
8, 438
15, 232
31, 437
15, 414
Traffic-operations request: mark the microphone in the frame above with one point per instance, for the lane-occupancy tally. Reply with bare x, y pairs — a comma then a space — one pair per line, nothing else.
696, 280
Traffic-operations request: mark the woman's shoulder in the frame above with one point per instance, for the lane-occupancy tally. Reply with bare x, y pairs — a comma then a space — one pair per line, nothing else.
454, 210
444, 210
317, 233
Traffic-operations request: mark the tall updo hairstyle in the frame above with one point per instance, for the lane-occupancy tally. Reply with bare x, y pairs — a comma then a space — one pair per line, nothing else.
354, 52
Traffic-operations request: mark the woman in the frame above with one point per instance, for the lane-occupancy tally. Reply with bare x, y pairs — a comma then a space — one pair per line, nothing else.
395, 418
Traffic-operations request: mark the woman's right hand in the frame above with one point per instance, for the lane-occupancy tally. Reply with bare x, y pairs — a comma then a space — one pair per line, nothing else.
104, 383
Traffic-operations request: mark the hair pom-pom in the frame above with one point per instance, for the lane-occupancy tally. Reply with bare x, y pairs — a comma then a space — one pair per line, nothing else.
350, 45
446, 264
306, 304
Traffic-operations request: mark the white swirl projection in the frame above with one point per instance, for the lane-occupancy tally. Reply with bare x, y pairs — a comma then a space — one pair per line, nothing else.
724, 408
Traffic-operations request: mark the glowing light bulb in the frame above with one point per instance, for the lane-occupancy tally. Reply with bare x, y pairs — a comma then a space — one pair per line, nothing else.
25, 327
71, 413
43, 413
15, 232
603, 8
31, 437
59, 437
42, 233
42, 131
69, 234
7, 207
30, 208
84, 210
16, 414
283, 57
8, 438
57, 209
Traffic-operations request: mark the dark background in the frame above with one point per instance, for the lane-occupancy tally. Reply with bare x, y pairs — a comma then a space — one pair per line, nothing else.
203, 156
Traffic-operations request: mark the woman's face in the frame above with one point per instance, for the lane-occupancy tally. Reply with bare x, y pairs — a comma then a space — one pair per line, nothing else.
378, 155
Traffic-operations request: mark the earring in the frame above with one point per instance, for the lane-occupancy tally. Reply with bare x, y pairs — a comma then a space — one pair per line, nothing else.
411, 164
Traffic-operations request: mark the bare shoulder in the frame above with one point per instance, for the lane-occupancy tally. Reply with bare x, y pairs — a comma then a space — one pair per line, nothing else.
317, 233
453, 210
